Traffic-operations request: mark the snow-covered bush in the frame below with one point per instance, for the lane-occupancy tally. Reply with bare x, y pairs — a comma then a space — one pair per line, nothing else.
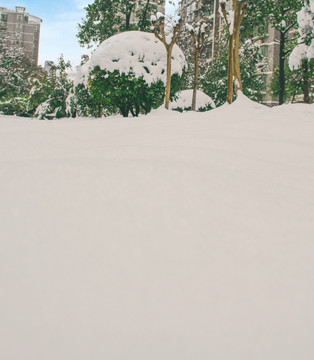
133, 51
184, 101
126, 72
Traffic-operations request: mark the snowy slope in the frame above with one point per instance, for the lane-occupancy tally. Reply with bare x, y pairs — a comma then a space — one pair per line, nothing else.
168, 237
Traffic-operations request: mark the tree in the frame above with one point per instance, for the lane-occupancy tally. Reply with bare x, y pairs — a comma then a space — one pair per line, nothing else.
105, 18
168, 35
53, 92
295, 82
198, 39
214, 80
303, 53
233, 12
17, 74
12, 66
283, 16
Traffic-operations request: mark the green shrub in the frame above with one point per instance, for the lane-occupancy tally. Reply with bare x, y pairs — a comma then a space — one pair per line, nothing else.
112, 91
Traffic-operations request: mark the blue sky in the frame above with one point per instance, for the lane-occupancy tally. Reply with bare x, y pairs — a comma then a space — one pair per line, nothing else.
59, 26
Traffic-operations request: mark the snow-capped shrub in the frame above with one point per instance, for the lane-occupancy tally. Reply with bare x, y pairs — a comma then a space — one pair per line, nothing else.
126, 72
133, 51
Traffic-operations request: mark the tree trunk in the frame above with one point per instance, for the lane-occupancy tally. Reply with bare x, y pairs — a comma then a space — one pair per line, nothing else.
196, 71
230, 71
306, 83
127, 21
282, 79
236, 45
168, 83
234, 75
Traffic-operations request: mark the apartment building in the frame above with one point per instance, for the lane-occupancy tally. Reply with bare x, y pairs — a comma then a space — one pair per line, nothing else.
24, 27
193, 10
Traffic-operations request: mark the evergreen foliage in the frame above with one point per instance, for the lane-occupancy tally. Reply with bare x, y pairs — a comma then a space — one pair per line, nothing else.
295, 81
105, 18
51, 95
125, 92
214, 79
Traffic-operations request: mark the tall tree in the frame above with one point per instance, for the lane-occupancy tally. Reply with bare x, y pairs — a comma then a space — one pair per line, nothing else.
233, 12
168, 35
12, 70
198, 39
303, 53
283, 17
16, 70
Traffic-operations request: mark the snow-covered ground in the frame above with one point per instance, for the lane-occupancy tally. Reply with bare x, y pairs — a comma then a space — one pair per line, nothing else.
167, 237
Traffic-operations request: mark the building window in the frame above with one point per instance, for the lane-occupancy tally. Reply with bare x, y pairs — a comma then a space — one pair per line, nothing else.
208, 7
264, 85
18, 26
19, 18
264, 50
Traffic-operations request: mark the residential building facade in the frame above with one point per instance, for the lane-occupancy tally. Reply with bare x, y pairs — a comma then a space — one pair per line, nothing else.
24, 27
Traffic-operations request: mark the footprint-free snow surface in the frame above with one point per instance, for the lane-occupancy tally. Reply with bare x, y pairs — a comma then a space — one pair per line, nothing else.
166, 237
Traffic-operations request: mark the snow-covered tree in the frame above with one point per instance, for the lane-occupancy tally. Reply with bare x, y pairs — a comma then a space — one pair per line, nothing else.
197, 33
304, 51
167, 32
54, 91
12, 66
17, 74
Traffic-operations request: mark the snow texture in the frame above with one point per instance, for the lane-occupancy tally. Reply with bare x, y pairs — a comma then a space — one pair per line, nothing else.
135, 51
171, 236
184, 100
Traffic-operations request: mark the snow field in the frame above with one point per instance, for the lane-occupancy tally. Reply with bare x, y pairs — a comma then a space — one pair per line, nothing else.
170, 236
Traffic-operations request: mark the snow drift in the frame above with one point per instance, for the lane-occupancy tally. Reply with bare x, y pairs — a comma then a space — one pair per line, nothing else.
171, 236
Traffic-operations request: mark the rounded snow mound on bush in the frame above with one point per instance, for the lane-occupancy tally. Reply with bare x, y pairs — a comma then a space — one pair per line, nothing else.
136, 51
184, 101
